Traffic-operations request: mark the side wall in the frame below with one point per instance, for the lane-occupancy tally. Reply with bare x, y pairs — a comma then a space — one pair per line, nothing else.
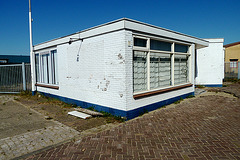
139, 106
210, 64
97, 78
232, 52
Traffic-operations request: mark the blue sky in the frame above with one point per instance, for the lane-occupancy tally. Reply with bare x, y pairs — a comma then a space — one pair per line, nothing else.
57, 18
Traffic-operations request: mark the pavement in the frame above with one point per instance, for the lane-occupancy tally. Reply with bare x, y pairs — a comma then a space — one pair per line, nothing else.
24, 131
204, 127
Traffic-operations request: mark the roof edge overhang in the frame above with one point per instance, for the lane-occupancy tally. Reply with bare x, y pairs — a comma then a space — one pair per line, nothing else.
214, 40
231, 44
121, 24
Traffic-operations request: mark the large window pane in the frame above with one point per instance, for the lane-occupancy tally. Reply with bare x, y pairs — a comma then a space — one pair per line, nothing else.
180, 69
160, 45
160, 70
139, 71
54, 66
140, 42
45, 70
181, 48
37, 67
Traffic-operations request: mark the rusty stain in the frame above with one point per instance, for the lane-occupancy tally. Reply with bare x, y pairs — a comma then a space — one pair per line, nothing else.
107, 83
120, 56
103, 85
122, 62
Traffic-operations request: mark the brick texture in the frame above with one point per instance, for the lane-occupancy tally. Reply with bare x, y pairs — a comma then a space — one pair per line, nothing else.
206, 127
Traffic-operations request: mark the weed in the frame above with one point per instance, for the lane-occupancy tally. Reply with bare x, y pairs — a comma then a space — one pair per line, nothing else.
74, 105
43, 108
67, 105
231, 80
92, 108
111, 118
224, 85
4, 103
177, 102
26, 93
143, 112
16, 99
190, 96
200, 86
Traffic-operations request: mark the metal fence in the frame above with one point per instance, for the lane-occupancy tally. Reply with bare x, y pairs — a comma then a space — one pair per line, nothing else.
232, 70
15, 78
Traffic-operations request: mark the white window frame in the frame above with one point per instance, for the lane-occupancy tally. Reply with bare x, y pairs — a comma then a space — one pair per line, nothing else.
50, 68
172, 53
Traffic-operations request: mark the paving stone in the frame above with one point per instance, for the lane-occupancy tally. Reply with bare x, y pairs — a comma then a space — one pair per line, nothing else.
205, 127
19, 145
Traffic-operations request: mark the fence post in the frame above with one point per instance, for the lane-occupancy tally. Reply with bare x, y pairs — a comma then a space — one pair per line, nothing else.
24, 76
238, 70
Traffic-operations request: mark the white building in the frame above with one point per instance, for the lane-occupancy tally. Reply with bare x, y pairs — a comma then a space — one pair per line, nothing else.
124, 67
210, 64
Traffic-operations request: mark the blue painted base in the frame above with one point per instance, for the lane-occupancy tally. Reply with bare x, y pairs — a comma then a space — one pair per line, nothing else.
34, 93
128, 114
212, 85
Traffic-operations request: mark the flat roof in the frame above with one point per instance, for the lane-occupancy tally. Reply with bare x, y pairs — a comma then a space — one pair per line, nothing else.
231, 44
120, 24
214, 40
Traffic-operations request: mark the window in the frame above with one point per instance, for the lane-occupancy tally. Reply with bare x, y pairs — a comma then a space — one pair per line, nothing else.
180, 48
37, 67
140, 71
46, 67
140, 42
160, 70
180, 69
54, 66
233, 63
160, 45
159, 65
3, 61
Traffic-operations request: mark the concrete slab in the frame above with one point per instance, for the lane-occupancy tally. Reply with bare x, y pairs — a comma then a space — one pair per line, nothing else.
79, 114
23, 130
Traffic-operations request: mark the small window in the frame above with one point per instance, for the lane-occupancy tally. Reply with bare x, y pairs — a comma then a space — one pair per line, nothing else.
181, 48
140, 42
160, 45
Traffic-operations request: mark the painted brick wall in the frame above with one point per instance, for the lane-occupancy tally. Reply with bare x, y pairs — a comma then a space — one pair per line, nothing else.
210, 63
99, 75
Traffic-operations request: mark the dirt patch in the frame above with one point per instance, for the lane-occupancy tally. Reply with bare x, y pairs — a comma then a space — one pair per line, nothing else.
228, 87
57, 110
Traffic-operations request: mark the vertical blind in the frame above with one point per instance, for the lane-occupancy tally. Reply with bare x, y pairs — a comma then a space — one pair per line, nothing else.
180, 69
160, 70
140, 70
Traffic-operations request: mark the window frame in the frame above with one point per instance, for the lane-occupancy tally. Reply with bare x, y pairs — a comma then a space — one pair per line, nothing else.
52, 74
172, 54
